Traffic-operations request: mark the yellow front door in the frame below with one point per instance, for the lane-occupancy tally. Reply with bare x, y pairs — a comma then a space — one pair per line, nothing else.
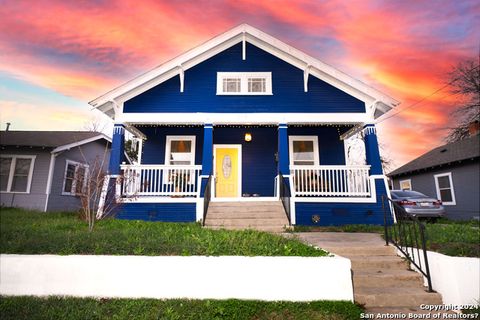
226, 172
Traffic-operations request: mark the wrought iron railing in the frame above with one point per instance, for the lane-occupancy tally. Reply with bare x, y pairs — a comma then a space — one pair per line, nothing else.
331, 181
207, 195
161, 180
285, 196
407, 233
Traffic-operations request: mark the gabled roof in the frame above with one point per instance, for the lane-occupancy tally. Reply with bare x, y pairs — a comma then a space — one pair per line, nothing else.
58, 140
450, 153
380, 102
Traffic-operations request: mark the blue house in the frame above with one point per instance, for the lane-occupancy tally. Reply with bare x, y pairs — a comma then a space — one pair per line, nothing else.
245, 117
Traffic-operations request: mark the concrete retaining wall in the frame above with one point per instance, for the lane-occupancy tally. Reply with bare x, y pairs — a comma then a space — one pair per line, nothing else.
457, 279
198, 277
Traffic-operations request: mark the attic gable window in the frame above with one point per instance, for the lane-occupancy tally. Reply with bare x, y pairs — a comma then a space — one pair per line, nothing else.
244, 83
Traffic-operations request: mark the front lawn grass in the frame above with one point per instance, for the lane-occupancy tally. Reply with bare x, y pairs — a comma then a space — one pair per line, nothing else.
19, 308
30, 232
456, 239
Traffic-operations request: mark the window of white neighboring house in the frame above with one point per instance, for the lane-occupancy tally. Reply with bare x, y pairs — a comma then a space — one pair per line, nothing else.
304, 150
75, 179
244, 83
406, 184
445, 190
16, 173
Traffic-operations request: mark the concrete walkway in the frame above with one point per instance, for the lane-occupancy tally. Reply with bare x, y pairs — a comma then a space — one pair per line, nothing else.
382, 280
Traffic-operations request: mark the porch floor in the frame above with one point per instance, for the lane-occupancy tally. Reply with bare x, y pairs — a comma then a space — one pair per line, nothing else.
259, 215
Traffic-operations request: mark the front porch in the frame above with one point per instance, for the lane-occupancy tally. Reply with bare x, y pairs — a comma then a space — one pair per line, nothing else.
278, 162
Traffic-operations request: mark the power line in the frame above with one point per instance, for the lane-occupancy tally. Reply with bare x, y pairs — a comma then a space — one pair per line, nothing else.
424, 98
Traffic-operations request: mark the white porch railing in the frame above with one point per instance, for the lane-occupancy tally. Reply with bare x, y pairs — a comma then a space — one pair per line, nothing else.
160, 180
325, 181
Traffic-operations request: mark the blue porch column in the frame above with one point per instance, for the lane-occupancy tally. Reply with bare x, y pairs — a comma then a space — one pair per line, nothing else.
207, 160
118, 144
283, 161
207, 156
371, 150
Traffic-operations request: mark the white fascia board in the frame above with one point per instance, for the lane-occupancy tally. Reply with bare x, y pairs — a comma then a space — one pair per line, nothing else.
258, 38
174, 70
243, 118
81, 142
171, 64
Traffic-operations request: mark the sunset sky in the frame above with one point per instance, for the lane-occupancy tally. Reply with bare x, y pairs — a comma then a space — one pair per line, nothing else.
55, 56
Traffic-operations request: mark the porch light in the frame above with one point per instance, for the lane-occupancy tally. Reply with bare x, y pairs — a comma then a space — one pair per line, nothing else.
248, 137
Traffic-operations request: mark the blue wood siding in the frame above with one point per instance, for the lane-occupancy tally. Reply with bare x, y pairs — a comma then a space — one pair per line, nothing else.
331, 148
154, 146
167, 212
337, 214
287, 83
258, 156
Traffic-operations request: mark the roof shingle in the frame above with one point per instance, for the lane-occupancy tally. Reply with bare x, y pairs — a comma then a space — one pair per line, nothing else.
49, 139
468, 148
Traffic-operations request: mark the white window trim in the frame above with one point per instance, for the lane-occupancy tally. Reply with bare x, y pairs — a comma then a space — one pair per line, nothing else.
244, 76
77, 165
168, 146
406, 180
12, 171
316, 149
452, 190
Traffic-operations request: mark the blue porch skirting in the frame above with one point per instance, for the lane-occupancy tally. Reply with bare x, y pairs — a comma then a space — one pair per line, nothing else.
167, 212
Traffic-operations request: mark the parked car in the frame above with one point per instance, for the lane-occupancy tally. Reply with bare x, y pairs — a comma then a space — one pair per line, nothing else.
417, 204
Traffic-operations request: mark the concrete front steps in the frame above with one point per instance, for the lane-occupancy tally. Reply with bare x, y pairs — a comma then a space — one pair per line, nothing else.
259, 215
382, 281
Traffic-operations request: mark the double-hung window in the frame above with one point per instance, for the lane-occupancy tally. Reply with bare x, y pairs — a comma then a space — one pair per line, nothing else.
180, 150
75, 179
244, 83
444, 186
16, 173
304, 150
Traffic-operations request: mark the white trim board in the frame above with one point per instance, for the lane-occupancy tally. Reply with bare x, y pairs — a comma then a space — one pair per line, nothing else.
377, 100
81, 142
201, 118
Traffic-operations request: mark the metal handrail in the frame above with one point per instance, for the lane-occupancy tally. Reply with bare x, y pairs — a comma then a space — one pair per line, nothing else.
407, 235
285, 196
206, 198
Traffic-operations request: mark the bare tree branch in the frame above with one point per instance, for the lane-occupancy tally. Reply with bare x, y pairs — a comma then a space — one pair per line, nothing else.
465, 84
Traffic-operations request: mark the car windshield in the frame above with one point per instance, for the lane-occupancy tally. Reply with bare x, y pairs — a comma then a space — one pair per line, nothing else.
407, 194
